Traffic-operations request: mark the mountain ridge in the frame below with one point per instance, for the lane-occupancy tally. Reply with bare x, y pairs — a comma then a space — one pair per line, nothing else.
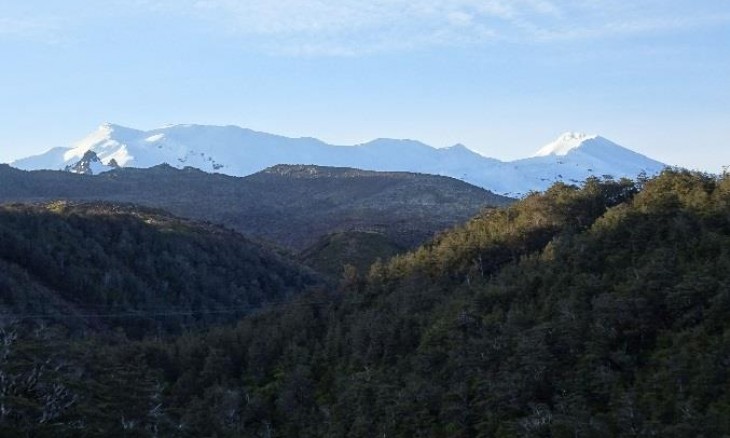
237, 151
290, 205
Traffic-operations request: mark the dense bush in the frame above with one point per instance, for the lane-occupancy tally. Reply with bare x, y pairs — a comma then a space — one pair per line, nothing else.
96, 261
599, 311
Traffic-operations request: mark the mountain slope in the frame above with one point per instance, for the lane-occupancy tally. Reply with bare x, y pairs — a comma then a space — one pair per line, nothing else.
600, 311
91, 164
593, 312
574, 157
334, 253
291, 205
239, 152
79, 263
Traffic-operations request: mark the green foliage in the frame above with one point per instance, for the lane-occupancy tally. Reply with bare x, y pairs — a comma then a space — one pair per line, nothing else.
594, 311
100, 265
358, 249
292, 206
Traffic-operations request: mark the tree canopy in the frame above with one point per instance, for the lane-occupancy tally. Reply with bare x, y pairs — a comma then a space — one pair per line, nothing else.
592, 311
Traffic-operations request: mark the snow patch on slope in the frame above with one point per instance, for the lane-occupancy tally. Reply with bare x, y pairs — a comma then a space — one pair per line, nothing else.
154, 138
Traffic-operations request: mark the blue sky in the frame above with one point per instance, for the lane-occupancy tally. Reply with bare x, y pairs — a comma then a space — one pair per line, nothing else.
503, 77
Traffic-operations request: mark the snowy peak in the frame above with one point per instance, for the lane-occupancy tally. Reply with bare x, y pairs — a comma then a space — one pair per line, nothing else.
107, 132
593, 151
108, 141
237, 151
565, 143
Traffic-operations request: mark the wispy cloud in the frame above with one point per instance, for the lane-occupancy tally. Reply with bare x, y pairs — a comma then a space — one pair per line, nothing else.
600, 21
347, 27
355, 27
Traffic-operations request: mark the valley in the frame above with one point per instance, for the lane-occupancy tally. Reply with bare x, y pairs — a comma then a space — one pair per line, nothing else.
389, 219
555, 315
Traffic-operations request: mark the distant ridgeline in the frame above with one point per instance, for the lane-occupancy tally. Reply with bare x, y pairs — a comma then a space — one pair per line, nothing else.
598, 311
236, 151
292, 206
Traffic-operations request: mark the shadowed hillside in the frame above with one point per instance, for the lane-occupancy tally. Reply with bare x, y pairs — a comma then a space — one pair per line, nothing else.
293, 206
600, 311
356, 249
102, 266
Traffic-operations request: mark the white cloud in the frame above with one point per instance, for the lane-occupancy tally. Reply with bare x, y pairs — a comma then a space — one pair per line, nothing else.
346, 27
628, 27
359, 26
353, 27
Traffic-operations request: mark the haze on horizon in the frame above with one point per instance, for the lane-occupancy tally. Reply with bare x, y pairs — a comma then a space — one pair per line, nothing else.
503, 77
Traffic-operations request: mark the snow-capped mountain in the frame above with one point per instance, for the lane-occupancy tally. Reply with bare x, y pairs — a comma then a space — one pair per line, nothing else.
237, 151
573, 157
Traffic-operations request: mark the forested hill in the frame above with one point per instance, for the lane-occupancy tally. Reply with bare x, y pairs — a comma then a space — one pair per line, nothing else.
594, 312
104, 265
292, 206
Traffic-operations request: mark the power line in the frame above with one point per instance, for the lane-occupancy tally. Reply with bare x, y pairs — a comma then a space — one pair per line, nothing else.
146, 314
